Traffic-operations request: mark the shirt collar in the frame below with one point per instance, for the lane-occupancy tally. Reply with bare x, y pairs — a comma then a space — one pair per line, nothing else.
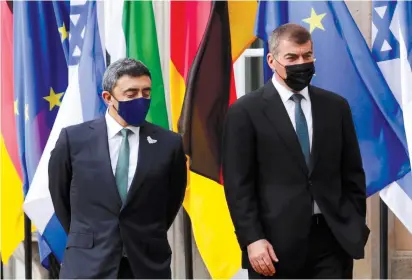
286, 94
113, 127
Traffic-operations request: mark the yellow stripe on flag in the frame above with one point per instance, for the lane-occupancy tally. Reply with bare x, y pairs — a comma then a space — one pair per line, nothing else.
242, 22
12, 215
205, 200
206, 205
177, 90
212, 226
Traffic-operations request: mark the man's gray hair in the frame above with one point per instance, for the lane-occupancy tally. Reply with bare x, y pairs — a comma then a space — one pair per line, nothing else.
290, 32
122, 67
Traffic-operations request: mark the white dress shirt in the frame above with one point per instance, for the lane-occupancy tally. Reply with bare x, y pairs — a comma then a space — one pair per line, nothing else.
115, 140
285, 95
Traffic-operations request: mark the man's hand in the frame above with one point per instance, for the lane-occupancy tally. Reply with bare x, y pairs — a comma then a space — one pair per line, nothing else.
261, 255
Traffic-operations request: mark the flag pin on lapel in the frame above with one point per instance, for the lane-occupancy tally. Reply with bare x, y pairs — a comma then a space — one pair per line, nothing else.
151, 140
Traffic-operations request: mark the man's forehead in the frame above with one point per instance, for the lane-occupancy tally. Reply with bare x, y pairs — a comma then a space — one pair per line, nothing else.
141, 82
134, 80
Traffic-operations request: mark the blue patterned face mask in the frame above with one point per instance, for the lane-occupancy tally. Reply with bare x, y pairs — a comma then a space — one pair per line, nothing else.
134, 111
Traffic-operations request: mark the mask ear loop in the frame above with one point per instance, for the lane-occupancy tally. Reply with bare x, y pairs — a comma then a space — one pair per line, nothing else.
116, 100
280, 65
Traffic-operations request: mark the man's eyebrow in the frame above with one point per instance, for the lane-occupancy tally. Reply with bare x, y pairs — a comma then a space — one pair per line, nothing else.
290, 54
136, 89
294, 54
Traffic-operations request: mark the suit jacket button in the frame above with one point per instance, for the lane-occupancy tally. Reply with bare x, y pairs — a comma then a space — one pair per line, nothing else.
310, 183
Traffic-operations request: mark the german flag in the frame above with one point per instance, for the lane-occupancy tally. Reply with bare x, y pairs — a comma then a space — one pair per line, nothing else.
12, 216
208, 36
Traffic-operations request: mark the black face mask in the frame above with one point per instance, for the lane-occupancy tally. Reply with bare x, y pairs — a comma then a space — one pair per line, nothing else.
298, 76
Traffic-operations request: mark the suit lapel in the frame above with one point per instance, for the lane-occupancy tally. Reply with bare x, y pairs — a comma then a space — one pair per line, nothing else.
318, 117
146, 153
99, 147
276, 112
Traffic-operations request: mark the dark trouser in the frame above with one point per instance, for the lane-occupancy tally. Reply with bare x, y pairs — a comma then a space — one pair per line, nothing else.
125, 272
325, 259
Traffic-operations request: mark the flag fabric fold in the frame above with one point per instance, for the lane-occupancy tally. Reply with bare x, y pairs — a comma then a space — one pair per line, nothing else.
207, 95
133, 25
141, 43
202, 88
40, 79
12, 218
81, 102
392, 51
348, 69
188, 22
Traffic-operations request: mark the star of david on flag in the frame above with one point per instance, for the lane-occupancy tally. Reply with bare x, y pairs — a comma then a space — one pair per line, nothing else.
392, 51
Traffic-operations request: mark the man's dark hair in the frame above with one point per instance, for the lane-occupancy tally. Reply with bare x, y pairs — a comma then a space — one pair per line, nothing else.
290, 32
125, 66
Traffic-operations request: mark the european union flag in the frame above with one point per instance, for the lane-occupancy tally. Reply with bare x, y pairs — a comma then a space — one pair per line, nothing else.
345, 65
41, 75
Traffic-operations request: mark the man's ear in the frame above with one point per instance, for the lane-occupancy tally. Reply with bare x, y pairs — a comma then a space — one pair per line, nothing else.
269, 58
271, 61
107, 97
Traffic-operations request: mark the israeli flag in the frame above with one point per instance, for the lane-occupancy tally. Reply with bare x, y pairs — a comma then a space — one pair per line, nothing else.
81, 102
392, 50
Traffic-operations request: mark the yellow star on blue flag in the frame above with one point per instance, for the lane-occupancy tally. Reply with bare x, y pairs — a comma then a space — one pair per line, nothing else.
315, 20
63, 32
54, 99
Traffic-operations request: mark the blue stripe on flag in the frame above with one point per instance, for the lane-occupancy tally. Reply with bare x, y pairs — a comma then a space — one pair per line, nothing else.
44, 251
92, 65
55, 237
392, 21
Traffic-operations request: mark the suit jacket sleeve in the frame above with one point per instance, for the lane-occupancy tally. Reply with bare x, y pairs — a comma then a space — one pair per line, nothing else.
239, 172
178, 180
354, 184
60, 174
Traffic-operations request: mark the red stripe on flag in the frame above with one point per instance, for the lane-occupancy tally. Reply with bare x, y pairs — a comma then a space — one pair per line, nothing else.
233, 95
232, 99
8, 119
187, 27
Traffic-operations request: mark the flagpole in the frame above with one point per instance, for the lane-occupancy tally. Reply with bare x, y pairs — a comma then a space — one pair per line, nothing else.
27, 248
187, 230
383, 240
1, 267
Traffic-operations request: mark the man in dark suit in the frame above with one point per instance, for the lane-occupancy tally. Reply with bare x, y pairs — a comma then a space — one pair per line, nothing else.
117, 184
292, 170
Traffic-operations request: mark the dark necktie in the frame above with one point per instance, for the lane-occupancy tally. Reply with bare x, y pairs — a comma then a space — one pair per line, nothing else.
301, 127
303, 135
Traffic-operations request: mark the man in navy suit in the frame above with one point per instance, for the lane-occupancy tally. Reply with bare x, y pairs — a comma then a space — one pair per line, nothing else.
117, 184
294, 178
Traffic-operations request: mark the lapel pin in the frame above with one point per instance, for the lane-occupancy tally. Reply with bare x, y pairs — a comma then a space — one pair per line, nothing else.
151, 140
